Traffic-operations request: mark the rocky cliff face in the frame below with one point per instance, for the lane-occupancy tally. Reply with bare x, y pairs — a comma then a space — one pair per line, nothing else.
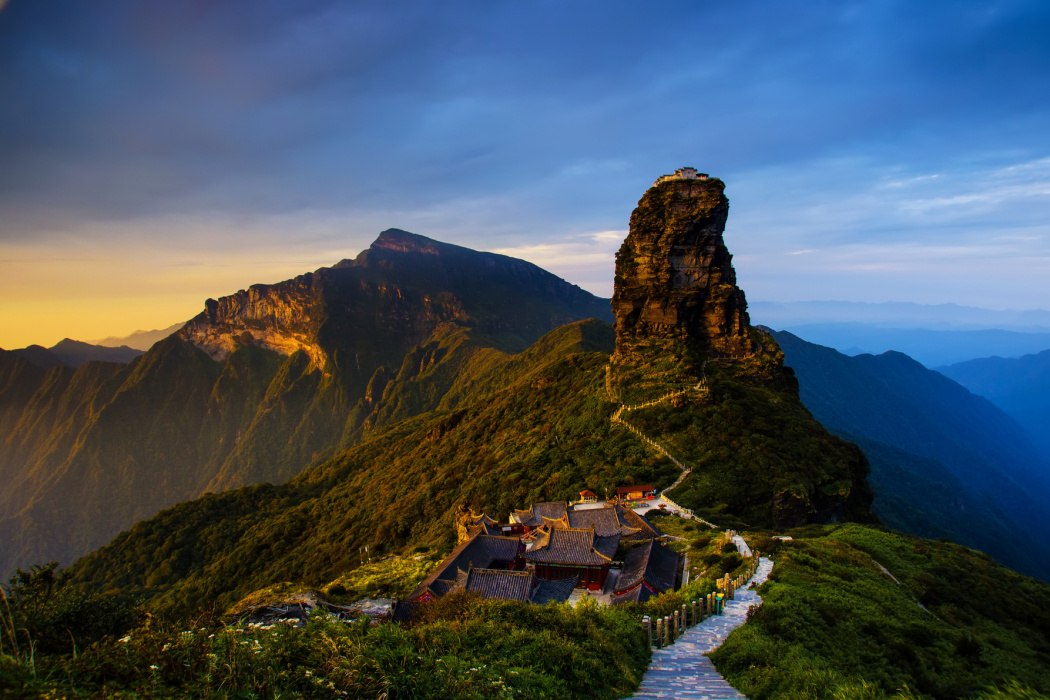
284, 318
361, 314
674, 274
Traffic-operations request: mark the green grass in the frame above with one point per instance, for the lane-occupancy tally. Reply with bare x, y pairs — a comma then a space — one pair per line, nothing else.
466, 647
393, 576
833, 625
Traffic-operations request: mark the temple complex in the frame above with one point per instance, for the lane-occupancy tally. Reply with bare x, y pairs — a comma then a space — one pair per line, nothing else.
544, 553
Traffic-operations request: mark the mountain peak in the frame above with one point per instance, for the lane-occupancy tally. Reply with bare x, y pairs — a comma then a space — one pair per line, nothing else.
674, 274
405, 242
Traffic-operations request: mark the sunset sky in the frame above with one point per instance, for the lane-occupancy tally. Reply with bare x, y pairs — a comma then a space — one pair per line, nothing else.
154, 154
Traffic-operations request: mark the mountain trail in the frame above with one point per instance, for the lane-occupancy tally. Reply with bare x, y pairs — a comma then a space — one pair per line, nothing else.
682, 670
617, 419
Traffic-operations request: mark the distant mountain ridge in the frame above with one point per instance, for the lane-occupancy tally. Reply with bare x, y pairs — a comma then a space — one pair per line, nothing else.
945, 463
780, 314
933, 348
1019, 386
139, 340
296, 371
335, 315
73, 353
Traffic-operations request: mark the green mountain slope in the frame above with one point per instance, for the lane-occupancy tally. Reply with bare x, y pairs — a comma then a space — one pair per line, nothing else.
260, 385
940, 622
1019, 386
945, 463
534, 426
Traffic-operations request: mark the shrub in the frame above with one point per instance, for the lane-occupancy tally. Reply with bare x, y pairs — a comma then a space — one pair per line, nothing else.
50, 617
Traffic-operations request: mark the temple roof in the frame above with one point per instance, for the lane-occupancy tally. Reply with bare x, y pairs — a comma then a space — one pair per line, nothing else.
572, 547
479, 550
559, 523
484, 528
631, 489
603, 520
403, 611
554, 510
652, 563
554, 591
491, 583
483, 518
631, 520
638, 594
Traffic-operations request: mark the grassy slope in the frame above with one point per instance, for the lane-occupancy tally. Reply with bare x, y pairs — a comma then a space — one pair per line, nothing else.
758, 456
530, 427
834, 625
946, 509
465, 648
539, 437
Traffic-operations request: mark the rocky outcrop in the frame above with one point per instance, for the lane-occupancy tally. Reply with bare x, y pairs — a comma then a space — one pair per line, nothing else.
674, 274
361, 314
284, 318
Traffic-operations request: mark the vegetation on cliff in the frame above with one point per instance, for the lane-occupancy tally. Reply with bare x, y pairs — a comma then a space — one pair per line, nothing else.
523, 428
297, 374
982, 482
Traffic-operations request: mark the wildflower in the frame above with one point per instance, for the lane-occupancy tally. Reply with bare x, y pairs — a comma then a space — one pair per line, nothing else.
153, 667
125, 639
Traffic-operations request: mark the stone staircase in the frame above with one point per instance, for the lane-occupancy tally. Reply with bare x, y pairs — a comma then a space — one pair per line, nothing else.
682, 670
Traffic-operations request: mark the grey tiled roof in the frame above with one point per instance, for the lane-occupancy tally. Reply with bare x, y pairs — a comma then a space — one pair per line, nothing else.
571, 547
440, 587
603, 520
484, 528
606, 546
554, 591
503, 584
651, 562
629, 519
479, 551
483, 518
638, 594
403, 611
554, 510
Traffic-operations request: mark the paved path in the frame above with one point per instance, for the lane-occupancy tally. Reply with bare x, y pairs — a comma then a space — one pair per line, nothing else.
683, 671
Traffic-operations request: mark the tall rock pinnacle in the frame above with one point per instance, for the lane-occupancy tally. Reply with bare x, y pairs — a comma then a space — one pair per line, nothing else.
674, 275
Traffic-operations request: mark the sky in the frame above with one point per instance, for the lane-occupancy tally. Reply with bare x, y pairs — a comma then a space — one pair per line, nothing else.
154, 154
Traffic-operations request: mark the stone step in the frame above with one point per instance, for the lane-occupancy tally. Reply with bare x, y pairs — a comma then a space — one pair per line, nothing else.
683, 671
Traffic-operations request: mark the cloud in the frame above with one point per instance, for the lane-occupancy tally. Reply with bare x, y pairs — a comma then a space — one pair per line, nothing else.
273, 131
584, 259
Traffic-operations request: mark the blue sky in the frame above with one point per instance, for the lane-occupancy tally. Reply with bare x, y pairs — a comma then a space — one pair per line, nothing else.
153, 154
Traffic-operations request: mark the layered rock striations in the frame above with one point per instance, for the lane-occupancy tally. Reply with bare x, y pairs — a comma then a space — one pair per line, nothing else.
674, 274
283, 318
